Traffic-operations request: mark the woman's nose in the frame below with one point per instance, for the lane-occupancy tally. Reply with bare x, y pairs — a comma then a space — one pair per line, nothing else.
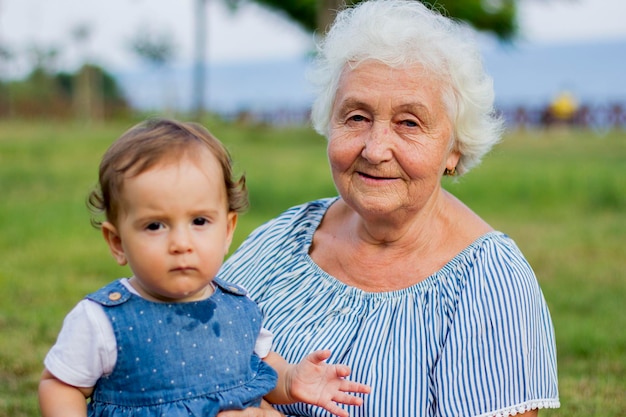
377, 144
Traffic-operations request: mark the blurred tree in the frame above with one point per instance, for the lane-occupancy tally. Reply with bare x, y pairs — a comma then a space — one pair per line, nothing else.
6, 56
113, 100
87, 94
44, 59
6, 101
156, 48
199, 71
37, 94
45, 93
325, 13
39, 81
495, 16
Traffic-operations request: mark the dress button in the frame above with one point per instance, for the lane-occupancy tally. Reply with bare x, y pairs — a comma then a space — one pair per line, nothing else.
114, 296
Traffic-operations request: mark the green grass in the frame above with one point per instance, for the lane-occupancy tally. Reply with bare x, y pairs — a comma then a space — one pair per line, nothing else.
561, 196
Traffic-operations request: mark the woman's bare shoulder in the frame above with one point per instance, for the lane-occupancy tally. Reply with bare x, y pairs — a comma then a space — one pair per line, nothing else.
463, 220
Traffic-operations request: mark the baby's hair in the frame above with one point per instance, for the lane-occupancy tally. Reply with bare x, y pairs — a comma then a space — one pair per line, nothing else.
149, 143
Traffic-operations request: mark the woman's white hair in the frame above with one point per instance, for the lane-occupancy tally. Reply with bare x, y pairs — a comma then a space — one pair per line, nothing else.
405, 32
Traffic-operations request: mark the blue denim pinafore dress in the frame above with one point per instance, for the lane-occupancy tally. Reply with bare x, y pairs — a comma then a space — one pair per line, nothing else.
181, 359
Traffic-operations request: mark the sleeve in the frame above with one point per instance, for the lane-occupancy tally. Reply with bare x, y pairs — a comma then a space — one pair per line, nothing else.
257, 260
85, 348
499, 357
263, 344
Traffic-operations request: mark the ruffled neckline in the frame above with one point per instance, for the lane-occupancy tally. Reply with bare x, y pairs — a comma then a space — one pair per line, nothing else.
443, 273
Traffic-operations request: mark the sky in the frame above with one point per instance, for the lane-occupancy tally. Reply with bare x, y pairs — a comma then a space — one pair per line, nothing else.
249, 34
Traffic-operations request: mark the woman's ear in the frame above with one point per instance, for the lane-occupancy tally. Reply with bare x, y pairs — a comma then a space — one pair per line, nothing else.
113, 239
453, 160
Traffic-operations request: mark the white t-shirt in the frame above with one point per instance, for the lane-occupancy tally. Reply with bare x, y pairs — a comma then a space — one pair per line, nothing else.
86, 348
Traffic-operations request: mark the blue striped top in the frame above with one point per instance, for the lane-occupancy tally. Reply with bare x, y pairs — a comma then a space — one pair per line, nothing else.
473, 339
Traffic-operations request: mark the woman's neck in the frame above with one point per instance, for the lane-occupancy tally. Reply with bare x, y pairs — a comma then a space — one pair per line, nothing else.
386, 253
401, 228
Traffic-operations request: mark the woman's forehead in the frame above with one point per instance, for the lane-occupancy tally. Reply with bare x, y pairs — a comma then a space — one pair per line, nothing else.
370, 81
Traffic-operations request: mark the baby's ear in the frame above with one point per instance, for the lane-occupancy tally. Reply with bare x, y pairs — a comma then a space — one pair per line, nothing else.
113, 239
231, 224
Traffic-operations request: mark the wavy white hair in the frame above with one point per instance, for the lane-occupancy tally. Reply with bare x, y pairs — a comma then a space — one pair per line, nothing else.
404, 32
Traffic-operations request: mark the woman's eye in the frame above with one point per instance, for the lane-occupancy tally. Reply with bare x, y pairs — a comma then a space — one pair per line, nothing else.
357, 118
200, 221
410, 123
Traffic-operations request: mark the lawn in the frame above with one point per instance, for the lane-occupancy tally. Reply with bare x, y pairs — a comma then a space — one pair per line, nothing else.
560, 195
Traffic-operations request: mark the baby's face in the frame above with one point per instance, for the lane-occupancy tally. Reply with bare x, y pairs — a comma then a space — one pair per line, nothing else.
174, 228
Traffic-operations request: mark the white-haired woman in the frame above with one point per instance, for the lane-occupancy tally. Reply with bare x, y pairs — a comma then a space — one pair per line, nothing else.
438, 312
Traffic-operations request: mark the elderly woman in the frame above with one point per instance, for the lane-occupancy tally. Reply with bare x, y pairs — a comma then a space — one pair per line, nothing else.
438, 312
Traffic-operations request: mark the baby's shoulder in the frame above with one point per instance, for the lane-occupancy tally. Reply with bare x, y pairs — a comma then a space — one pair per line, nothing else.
114, 293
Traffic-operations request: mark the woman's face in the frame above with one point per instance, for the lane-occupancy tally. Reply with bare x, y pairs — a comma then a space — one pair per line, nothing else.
389, 138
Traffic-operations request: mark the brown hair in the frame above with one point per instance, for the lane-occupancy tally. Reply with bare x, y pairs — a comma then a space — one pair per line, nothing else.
148, 143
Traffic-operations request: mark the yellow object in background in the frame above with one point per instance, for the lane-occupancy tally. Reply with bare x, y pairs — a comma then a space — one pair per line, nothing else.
564, 106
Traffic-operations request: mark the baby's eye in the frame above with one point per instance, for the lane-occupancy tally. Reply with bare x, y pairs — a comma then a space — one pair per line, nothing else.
153, 226
200, 221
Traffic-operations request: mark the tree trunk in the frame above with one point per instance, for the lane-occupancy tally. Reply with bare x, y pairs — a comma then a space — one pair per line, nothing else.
326, 12
199, 73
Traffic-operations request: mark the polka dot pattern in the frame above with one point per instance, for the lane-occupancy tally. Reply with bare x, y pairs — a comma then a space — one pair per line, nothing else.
185, 356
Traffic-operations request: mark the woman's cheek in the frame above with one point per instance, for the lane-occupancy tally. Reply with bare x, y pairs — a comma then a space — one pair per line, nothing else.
343, 151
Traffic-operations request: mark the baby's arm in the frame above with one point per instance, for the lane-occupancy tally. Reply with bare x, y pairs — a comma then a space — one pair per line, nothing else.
315, 382
84, 351
57, 398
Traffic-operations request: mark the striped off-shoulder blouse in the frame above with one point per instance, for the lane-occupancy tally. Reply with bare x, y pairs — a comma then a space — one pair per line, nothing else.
473, 339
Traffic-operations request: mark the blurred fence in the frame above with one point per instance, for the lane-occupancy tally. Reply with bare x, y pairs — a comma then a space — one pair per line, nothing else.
601, 117
294, 116
596, 117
